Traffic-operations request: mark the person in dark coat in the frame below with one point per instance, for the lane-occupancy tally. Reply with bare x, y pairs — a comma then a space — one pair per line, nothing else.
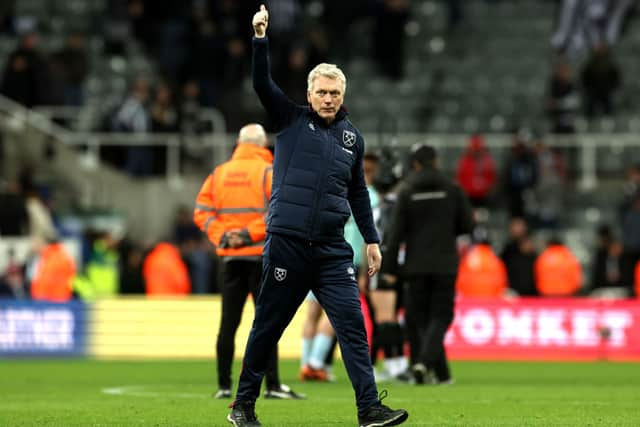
429, 215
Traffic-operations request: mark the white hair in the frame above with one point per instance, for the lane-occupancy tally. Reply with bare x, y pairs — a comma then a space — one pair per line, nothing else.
330, 71
253, 133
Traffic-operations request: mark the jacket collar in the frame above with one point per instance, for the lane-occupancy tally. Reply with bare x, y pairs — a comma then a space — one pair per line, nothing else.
340, 115
247, 151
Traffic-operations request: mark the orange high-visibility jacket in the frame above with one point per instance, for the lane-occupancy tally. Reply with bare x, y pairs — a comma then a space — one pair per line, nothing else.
164, 271
481, 273
557, 272
638, 279
236, 196
54, 275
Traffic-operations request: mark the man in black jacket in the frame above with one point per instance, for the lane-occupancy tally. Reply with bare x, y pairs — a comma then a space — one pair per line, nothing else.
431, 211
318, 179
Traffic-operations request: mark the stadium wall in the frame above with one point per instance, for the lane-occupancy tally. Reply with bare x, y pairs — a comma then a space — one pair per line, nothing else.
491, 329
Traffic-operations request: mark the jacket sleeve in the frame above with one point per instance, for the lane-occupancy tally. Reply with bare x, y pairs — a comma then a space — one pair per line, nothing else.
359, 200
396, 234
464, 213
257, 229
204, 214
278, 105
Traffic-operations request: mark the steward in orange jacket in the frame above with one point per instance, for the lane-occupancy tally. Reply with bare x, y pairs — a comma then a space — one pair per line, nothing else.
231, 209
233, 201
557, 271
164, 271
54, 274
481, 273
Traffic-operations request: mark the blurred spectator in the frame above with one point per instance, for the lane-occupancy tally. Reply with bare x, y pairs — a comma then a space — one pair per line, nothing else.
548, 193
631, 239
54, 272
195, 250
7, 11
26, 77
600, 79
630, 188
131, 257
481, 273
521, 174
519, 255
40, 220
207, 51
164, 118
189, 109
476, 172
133, 117
563, 100
74, 64
14, 219
389, 37
557, 271
585, 23
100, 275
164, 271
339, 18
285, 28
607, 260
12, 280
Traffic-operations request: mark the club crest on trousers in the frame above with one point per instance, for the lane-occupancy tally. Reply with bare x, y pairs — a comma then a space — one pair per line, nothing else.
348, 138
280, 274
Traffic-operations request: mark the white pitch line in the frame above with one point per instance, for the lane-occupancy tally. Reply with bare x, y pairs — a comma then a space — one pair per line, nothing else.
147, 391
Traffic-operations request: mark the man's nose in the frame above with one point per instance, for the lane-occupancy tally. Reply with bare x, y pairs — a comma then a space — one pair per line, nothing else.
327, 98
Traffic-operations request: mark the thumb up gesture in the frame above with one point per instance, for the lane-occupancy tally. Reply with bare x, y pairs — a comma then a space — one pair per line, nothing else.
260, 22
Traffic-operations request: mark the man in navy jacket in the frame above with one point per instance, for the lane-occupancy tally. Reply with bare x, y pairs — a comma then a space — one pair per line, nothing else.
318, 180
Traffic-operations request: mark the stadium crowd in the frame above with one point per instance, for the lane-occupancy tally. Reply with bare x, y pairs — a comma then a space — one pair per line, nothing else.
188, 40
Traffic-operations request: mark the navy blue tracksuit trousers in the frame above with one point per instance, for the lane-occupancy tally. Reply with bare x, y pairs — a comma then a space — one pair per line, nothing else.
291, 267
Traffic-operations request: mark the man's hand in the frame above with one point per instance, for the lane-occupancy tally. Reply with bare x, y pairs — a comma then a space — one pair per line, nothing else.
374, 258
234, 239
260, 22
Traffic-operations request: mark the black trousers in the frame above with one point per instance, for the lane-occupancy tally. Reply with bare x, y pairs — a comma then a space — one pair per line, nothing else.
239, 279
291, 268
429, 305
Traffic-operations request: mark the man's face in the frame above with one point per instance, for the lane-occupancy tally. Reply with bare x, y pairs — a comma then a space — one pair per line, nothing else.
326, 97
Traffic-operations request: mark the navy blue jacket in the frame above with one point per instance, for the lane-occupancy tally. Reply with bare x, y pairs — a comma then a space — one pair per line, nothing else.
317, 168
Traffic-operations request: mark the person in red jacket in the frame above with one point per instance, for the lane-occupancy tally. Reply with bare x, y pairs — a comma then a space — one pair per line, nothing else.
164, 271
557, 271
476, 172
481, 273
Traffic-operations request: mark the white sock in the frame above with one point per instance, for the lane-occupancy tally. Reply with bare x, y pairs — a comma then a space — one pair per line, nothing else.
307, 344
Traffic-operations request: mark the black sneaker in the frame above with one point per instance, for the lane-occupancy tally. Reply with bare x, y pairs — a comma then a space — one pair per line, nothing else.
380, 415
243, 415
421, 374
284, 392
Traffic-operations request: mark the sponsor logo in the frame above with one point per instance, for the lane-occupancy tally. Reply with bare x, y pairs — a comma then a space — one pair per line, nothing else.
346, 150
350, 270
348, 138
280, 274
311, 126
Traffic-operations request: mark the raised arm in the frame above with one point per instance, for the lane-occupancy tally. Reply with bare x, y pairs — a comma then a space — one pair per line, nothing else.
278, 105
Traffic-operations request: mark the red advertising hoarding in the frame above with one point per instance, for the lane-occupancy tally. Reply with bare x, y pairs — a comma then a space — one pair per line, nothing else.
545, 329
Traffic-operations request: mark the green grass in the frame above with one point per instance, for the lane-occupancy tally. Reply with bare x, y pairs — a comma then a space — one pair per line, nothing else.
177, 393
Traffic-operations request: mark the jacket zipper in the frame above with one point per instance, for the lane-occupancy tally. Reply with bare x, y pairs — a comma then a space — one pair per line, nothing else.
315, 213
